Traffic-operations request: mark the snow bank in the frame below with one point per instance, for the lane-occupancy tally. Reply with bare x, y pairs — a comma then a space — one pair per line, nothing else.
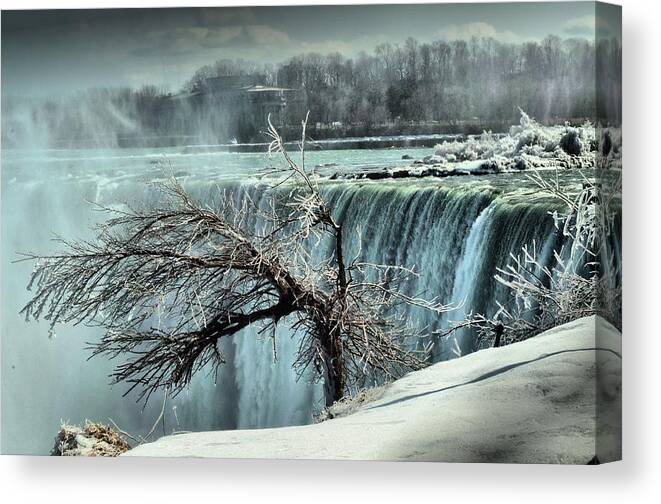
530, 402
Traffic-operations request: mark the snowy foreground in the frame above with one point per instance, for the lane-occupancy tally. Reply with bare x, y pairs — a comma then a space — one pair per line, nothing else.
530, 402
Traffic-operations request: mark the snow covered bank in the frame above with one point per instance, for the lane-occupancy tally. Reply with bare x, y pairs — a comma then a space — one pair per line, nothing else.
531, 402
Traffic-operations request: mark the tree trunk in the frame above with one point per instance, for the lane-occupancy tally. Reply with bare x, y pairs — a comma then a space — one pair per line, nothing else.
335, 380
336, 372
498, 331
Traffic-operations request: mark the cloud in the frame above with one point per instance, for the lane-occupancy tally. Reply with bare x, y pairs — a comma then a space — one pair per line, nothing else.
218, 37
589, 27
210, 17
479, 30
580, 27
347, 48
185, 41
265, 35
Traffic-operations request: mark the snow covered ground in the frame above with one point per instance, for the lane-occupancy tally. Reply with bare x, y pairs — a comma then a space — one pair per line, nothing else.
530, 402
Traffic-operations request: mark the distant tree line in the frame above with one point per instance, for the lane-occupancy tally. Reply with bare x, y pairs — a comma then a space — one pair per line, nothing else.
480, 80
445, 81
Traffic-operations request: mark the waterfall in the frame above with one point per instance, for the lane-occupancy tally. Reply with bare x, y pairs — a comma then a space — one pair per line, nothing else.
453, 235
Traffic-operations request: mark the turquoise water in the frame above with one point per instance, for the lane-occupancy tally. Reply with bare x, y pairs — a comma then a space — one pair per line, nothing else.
146, 162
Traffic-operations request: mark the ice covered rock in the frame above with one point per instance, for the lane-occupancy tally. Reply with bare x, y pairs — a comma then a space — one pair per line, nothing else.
570, 142
91, 440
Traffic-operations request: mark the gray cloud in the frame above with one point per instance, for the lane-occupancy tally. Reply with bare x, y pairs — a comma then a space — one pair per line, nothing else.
184, 41
478, 29
590, 26
583, 26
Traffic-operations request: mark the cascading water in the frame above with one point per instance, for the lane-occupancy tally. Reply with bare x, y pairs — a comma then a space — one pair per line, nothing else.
455, 234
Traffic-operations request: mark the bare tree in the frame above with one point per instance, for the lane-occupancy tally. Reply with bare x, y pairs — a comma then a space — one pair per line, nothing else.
168, 282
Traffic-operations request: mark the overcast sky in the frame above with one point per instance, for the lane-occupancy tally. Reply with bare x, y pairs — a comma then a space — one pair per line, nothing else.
50, 52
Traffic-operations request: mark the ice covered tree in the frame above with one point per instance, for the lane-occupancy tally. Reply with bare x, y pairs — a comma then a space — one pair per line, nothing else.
168, 282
